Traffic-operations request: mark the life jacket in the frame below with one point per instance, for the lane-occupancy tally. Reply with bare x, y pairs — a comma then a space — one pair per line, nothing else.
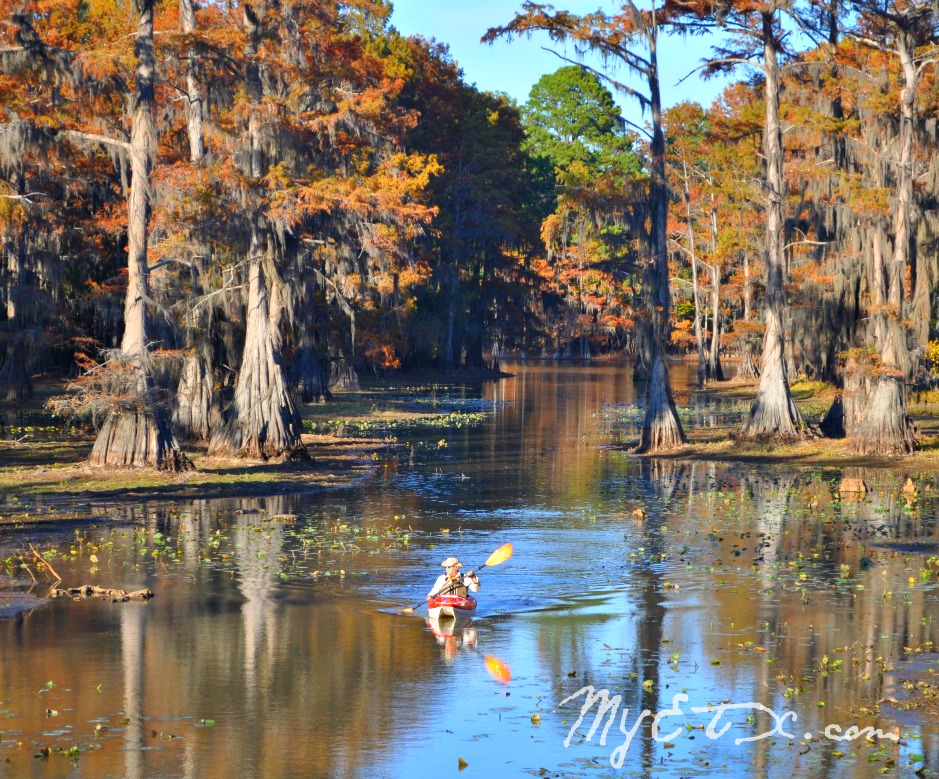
455, 587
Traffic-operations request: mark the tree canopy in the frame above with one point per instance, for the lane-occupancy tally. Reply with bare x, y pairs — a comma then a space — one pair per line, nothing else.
209, 215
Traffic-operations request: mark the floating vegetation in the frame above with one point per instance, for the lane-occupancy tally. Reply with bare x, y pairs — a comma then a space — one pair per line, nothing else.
379, 427
289, 546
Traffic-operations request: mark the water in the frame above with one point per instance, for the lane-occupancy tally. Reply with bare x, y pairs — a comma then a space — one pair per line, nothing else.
271, 647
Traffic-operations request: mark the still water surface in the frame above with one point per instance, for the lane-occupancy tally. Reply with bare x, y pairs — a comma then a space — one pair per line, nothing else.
271, 647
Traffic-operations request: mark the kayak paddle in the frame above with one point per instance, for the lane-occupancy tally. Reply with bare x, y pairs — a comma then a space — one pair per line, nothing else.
501, 554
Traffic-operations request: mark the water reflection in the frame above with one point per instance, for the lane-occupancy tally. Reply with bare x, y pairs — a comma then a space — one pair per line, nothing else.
454, 635
647, 577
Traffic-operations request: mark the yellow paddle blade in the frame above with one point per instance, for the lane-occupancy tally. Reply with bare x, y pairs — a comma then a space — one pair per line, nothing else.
501, 554
498, 669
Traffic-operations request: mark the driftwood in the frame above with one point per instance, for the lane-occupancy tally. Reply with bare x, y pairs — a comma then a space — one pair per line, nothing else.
90, 591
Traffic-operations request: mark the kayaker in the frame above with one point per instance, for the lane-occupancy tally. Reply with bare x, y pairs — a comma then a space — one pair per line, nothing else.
451, 583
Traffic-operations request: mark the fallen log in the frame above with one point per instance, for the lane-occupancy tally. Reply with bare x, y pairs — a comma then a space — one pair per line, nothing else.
91, 591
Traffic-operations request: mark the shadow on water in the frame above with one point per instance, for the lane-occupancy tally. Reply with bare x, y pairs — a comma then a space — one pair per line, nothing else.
268, 650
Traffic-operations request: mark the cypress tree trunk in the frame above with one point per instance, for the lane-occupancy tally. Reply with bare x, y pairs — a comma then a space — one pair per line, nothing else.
137, 433
715, 370
449, 356
196, 414
342, 373
747, 370
15, 382
886, 427
855, 397
263, 421
698, 330
306, 375
661, 428
195, 106
774, 414
695, 289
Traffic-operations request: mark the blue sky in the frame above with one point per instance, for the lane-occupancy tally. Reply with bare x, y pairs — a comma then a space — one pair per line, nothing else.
514, 67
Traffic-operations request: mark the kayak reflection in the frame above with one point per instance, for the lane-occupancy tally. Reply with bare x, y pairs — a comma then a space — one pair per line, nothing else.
454, 634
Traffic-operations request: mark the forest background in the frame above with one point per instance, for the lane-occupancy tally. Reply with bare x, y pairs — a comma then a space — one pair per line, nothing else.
211, 213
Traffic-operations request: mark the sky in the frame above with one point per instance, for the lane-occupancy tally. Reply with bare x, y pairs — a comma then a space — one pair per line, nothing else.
514, 67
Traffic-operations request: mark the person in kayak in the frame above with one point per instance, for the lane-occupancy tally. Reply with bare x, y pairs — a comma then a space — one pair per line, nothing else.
451, 583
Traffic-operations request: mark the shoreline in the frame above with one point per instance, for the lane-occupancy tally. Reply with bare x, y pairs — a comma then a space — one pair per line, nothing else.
52, 466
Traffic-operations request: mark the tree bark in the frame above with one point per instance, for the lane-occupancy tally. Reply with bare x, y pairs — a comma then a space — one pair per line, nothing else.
661, 428
449, 357
196, 413
195, 100
137, 433
886, 428
263, 421
747, 370
698, 330
695, 288
15, 382
773, 415
306, 374
715, 370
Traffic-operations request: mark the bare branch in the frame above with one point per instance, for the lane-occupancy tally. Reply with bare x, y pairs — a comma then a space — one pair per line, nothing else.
27, 197
805, 242
104, 140
170, 261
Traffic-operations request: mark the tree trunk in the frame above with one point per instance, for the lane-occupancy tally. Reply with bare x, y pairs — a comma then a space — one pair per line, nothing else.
661, 428
698, 330
695, 289
136, 433
15, 383
747, 287
196, 413
449, 356
886, 427
832, 426
263, 421
747, 370
306, 374
856, 395
715, 370
774, 414
195, 105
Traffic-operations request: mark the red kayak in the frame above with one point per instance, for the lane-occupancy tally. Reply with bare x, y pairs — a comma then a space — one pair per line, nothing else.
451, 606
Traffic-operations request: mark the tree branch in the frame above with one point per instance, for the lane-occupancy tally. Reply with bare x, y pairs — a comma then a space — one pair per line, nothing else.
104, 140
25, 197
643, 100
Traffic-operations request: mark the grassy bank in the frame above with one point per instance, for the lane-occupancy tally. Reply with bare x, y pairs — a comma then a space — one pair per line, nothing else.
44, 457
729, 402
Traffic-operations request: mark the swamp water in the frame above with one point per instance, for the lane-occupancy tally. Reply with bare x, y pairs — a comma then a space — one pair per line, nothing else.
271, 647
